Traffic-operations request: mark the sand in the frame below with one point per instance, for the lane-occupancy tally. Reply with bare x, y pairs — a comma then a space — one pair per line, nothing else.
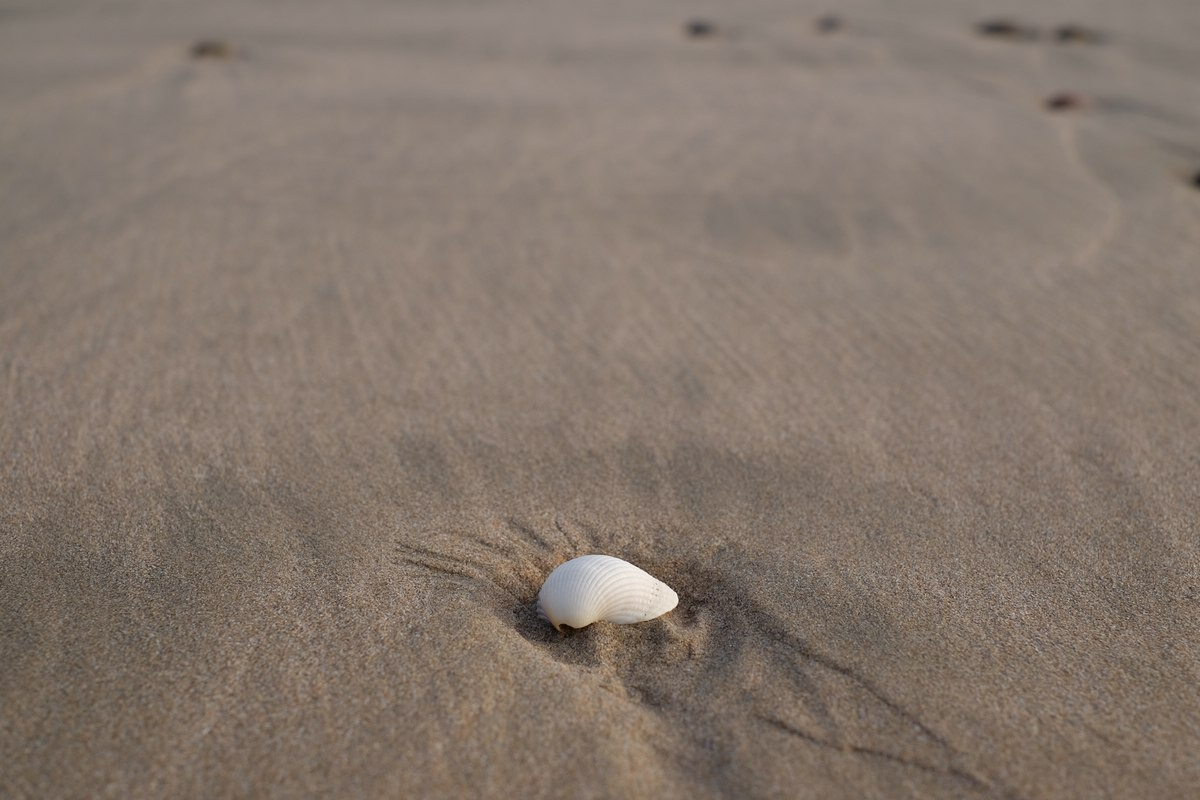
323, 343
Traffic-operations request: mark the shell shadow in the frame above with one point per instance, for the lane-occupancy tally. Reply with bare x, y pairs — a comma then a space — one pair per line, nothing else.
719, 650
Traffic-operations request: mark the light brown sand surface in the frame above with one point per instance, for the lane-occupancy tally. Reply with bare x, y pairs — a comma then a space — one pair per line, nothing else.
316, 359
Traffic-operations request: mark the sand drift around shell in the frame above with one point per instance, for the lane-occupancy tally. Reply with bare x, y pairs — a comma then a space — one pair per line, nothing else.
597, 588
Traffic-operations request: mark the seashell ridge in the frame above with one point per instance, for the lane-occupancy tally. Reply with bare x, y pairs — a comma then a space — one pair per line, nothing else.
595, 588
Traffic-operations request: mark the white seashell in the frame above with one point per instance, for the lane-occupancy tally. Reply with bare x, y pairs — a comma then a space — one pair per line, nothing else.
602, 588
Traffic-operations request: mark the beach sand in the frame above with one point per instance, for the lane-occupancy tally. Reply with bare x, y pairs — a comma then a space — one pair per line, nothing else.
323, 342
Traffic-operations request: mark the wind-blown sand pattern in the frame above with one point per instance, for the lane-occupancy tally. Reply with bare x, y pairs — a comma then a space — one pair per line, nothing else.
328, 331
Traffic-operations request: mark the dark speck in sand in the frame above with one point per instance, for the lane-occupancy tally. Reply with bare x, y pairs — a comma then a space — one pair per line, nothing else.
699, 29
1064, 101
1076, 34
213, 48
828, 24
1195, 181
1005, 29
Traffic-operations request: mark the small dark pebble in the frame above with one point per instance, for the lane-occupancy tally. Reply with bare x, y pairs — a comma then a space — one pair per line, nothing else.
699, 29
1064, 101
1196, 180
212, 48
1076, 34
1005, 29
828, 24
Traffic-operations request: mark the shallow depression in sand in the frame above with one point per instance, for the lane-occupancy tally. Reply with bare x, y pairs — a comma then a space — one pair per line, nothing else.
716, 666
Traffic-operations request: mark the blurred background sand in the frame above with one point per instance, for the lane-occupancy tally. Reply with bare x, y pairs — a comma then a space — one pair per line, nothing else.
320, 348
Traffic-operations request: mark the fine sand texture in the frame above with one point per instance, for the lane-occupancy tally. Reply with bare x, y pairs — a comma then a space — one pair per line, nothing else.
328, 329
